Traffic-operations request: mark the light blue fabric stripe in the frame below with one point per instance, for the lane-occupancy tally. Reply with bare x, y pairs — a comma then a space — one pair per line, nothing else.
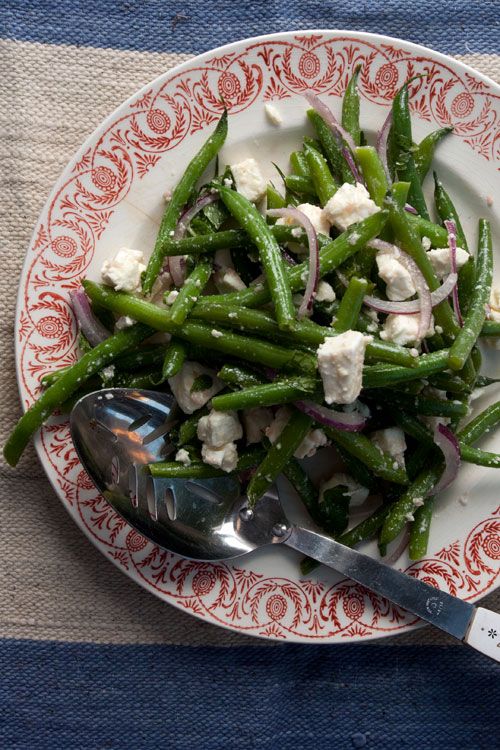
89, 697
450, 26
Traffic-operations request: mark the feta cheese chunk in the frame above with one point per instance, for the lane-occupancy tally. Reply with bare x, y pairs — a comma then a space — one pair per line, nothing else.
219, 427
182, 383
228, 280
494, 311
391, 441
325, 292
123, 271
340, 363
183, 457
124, 322
274, 430
440, 259
171, 297
399, 283
272, 114
313, 440
350, 204
255, 422
403, 329
356, 491
316, 216
249, 180
225, 458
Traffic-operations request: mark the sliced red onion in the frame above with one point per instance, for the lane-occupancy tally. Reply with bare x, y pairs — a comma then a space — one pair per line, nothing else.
409, 209
423, 291
190, 213
403, 544
381, 145
90, 326
349, 422
447, 442
330, 119
312, 240
177, 269
288, 258
413, 306
452, 244
352, 165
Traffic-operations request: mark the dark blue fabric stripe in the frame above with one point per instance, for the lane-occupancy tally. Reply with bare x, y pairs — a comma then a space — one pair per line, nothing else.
86, 697
451, 26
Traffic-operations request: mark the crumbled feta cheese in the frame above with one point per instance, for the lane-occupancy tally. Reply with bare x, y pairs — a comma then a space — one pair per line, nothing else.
124, 322
167, 196
183, 457
313, 440
123, 271
274, 430
399, 283
356, 491
440, 259
350, 204
228, 280
315, 214
494, 305
255, 422
391, 441
272, 114
296, 232
171, 297
340, 363
249, 180
216, 334
414, 352
182, 383
225, 458
426, 243
433, 422
108, 373
409, 517
324, 292
438, 329
403, 329
219, 427
228, 182
418, 502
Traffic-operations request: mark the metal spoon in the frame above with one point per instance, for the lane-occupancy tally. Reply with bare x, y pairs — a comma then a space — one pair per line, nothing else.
117, 432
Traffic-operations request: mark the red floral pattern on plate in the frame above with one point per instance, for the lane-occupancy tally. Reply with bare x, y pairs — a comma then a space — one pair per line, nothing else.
154, 122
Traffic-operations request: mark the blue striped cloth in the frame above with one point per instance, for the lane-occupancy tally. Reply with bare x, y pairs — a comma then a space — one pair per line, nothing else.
66, 682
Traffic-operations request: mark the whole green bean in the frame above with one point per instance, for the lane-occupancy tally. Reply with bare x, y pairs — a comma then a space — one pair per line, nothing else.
180, 197
478, 456
241, 376
282, 391
381, 464
198, 470
270, 255
373, 173
278, 456
301, 185
350, 305
70, 381
174, 358
475, 317
322, 179
419, 530
432, 407
423, 154
350, 108
366, 529
481, 424
401, 511
190, 291
382, 375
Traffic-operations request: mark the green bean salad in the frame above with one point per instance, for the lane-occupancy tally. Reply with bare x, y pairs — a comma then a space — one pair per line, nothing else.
325, 308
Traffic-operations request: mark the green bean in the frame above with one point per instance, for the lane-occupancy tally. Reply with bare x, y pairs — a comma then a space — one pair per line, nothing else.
241, 376
151, 355
406, 233
180, 197
423, 154
282, 391
478, 456
358, 470
432, 407
150, 379
400, 138
298, 162
322, 179
382, 375
419, 530
332, 148
254, 224
373, 173
417, 460
490, 328
190, 291
474, 319
174, 358
350, 108
381, 464
350, 305
405, 506
301, 482
446, 382
198, 470
227, 342
483, 381
437, 234
278, 456
274, 198
331, 256
481, 424
366, 529
206, 243
188, 428
301, 185
70, 381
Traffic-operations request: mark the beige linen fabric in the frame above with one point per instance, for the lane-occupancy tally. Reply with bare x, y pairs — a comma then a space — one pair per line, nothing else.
53, 583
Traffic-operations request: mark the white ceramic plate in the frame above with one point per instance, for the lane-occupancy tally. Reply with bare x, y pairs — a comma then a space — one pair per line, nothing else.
111, 195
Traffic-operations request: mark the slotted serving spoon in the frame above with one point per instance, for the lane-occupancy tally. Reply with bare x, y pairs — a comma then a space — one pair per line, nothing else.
118, 431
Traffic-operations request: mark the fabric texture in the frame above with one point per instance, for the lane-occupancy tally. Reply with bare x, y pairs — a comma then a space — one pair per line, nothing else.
55, 587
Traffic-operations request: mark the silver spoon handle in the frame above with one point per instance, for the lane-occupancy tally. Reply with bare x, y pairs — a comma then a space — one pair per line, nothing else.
478, 627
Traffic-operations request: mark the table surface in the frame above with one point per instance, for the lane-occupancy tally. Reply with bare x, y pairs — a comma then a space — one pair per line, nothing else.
71, 623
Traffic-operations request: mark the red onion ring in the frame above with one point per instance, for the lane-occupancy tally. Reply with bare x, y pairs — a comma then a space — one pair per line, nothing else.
177, 269
452, 244
403, 544
312, 240
349, 422
89, 325
447, 442
340, 133
413, 306
381, 146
